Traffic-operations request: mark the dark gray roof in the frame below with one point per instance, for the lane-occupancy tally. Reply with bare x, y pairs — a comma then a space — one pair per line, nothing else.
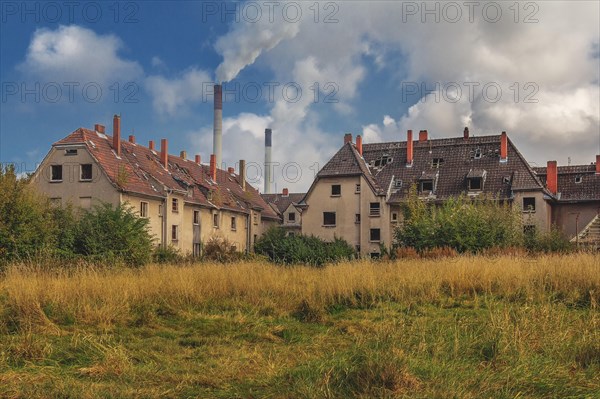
575, 182
282, 202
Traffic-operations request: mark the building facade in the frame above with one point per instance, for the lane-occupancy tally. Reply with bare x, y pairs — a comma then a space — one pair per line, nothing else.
186, 202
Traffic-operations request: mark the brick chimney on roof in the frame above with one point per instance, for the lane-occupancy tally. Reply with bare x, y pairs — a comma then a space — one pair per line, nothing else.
99, 128
409, 148
132, 138
117, 134
552, 177
359, 144
151, 145
466, 133
347, 138
164, 153
598, 164
213, 167
197, 159
285, 192
183, 155
423, 135
230, 170
503, 147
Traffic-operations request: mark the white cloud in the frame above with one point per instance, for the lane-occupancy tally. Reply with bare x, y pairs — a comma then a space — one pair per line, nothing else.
76, 54
157, 62
171, 96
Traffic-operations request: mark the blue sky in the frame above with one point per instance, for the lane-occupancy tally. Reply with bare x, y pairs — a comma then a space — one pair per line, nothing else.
374, 64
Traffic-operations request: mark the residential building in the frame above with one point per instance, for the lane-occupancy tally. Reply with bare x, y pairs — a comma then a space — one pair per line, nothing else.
186, 202
287, 207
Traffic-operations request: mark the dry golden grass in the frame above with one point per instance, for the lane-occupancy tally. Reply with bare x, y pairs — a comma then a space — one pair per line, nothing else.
105, 297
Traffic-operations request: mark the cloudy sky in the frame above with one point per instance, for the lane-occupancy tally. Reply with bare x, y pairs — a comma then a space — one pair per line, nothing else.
311, 71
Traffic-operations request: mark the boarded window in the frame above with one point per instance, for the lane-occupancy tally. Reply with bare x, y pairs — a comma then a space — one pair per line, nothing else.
374, 209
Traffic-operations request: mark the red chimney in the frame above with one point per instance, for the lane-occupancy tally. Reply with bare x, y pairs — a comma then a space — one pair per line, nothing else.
151, 145
285, 192
197, 159
359, 144
230, 170
347, 138
117, 134
409, 148
503, 147
552, 177
132, 138
423, 135
164, 153
99, 128
598, 164
213, 167
466, 133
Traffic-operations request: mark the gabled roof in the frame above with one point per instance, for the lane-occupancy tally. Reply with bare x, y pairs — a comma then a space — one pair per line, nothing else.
282, 202
449, 161
575, 182
140, 171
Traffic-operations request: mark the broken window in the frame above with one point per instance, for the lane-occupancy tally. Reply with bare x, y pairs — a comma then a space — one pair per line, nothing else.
437, 162
529, 204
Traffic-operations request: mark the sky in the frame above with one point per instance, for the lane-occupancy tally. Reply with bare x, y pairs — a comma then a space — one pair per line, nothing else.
311, 71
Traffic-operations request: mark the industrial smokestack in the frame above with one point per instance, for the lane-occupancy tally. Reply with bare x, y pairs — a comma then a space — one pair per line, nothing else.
243, 173
117, 135
268, 134
218, 124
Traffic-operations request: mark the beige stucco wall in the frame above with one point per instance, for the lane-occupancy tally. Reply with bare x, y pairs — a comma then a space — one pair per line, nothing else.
542, 216
71, 189
154, 219
565, 215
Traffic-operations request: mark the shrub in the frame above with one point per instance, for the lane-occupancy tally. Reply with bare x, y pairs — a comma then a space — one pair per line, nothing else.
169, 254
221, 250
113, 234
550, 241
301, 249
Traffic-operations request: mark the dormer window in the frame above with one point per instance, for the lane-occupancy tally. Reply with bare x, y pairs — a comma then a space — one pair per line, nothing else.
437, 162
426, 186
70, 151
475, 184
427, 183
397, 184
477, 154
476, 179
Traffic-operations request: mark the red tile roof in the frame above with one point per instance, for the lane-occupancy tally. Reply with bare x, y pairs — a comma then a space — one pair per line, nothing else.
139, 171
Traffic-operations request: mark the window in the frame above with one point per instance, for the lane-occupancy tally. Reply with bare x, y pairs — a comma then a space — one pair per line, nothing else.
578, 179
175, 205
529, 204
375, 255
506, 180
292, 217
375, 235
437, 162
216, 220
357, 218
70, 152
233, 223
174, 232
374, 209
394, 217
426, 186
143, 209
160, 210
357, 189
56, 173
357, 248
196, 217
336, 190
255, 218
475, 184
397, 184
209, 195
477, 154
328, 218
86, 172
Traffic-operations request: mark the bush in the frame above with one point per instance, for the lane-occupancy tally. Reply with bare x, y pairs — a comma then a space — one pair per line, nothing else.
221, 250
550, 241
114, 235
169, 254
301, 249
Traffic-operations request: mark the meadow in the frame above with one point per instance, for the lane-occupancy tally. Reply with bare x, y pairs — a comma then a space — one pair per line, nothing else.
463, 327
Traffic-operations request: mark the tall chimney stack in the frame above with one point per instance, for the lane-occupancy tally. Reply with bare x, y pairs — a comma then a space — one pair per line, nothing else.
218, 123
598, 164
409, 148
164, 153
466, 133
347, 138
268, 160
552, 177
197, 159
423, 135
359, 144
117, 134
151, 145
132, 139
285, 192
503, 147
243, 173
213, 167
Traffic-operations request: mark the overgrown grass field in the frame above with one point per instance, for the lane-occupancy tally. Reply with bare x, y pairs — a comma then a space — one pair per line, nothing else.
465, 327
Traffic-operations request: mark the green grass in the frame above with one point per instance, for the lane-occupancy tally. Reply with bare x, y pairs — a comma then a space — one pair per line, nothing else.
481, 345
